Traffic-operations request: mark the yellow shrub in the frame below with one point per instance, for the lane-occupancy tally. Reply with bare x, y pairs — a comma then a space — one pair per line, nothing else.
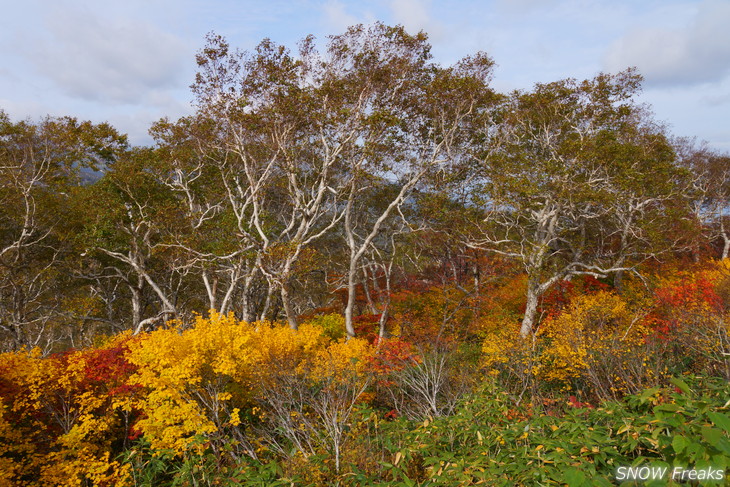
341, 360
502, 340
198, 379
580, 342
58, 416
505, 352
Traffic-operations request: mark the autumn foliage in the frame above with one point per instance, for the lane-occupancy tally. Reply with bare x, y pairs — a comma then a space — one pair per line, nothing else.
608, 344
66, 417
350, 265
237, 390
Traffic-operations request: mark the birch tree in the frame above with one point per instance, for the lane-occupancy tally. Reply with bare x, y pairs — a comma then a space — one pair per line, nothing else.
274, 150
206, 236
710, 190
298, 138
40, 166
414, 120
564, 182
130, 218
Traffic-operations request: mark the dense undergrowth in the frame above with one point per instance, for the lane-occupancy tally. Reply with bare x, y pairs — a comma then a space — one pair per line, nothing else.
638, 378
489, 441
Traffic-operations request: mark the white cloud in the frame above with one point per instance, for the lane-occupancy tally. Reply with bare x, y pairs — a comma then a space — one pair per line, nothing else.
337, 17
523, 6
18, 111
411, 13
414, 16
107, 59
696, 53
716, 99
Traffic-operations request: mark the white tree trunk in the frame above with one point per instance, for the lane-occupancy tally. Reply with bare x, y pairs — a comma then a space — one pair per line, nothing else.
288, 309
533, 298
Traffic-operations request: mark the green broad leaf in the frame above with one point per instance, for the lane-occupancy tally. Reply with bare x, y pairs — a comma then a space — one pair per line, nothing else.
574, 477
668, 408
720, 461
711, 435
724, 446
600, 481
695, 450
721, 420
646, 394
681, 385
679, 443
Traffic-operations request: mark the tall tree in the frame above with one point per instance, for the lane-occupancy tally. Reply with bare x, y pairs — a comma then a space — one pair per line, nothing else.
206, 235
274, 154
568, 179
297, 140
132, 218
710, 175
413, 122
40, 164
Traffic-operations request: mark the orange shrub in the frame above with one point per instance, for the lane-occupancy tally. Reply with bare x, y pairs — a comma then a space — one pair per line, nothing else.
66, 416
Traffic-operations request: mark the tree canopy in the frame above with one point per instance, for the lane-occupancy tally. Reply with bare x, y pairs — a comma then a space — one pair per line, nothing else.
313, 179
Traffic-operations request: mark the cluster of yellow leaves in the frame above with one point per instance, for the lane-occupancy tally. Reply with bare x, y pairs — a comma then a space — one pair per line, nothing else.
340, 360
85, 466
502, 343
593, 326
567, 346
332, 324
199, 379
621, 344
56, 424
507, 353
59, 415
17, 438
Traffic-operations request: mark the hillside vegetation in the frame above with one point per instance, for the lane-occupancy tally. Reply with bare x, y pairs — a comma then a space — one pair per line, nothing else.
355, 266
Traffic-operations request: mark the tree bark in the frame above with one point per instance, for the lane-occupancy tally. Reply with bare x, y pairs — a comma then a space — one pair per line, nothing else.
288, 310
351, 294
533, 298
136, 307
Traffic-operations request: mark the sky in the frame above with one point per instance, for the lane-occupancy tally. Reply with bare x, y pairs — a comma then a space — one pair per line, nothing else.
131, 62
